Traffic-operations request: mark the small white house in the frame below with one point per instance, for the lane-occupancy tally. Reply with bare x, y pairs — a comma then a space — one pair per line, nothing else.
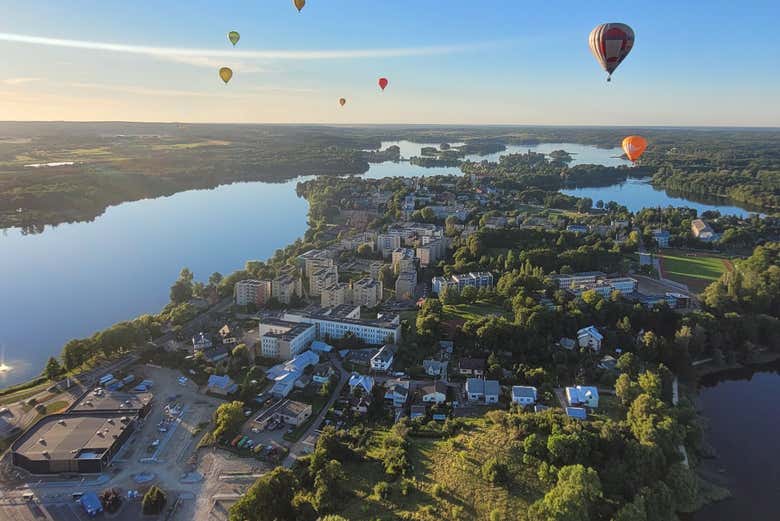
523, 395
582, 395
590, 337
434, 392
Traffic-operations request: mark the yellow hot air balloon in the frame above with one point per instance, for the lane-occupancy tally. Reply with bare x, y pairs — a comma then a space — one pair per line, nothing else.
342, 101
299, 4
225, 73
234, 37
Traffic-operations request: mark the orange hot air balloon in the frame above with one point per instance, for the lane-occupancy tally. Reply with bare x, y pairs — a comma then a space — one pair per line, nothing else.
299, 4
634, 147
225, 73
342, 101
383, 83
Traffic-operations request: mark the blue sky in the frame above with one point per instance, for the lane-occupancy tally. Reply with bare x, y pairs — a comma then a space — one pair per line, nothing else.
459, 61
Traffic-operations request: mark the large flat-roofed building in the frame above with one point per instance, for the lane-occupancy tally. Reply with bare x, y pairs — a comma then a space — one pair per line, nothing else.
284, 339
567, 280
286, 411
108, 401
338, 321
83, 442
313, 260
482, 279
605, 287
252, 291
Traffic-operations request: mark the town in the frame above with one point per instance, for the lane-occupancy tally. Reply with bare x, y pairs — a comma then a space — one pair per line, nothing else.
420, 307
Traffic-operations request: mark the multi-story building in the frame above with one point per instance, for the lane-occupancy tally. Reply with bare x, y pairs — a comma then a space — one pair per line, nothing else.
702, 231
251, 291
482, 279
387, 242
286, 285
284, 339
405, 284
661, 237
322, 278
338, 321
367, 292
313, 260
336, 295
403, 260
605, 287
567, 280
432, 250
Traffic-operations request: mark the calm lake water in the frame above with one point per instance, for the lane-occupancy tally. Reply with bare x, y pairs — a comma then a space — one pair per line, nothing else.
743, 413
75, 279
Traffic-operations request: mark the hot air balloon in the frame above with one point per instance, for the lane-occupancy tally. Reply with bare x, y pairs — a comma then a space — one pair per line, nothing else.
234, 37
634, 147
610, 44
299, 4
342, 101
383, 83
225, 73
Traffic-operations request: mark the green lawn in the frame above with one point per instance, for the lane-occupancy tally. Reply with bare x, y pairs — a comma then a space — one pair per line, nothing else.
474, 311
695, 270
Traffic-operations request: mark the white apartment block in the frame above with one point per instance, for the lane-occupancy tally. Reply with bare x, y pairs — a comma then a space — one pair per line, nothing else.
337, 322
482, 279
285, 286
386, 243
314, 260
403, 260
284, 340
322, 278
252, 291
336, 295
367, 292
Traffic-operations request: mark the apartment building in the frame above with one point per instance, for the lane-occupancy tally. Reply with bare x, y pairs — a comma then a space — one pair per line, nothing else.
338, 321
283, 339
252, 291
367, 292
567, 280
482, 279
336, 295
322, 278
286, 285
405, 284
432, 250
314, 260
387, 242
403, 259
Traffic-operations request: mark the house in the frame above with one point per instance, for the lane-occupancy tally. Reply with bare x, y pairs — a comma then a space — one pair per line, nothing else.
382, 361
471, 366
227, 335
523, 395
221, 385
435, 367
582, 395
608, 363
318, 346
216, 355
567, 343
434, 392
446, 348
289, 412
417, 411
201, 342
661, 237
322, 373
284, 385
702, 231
590, 337
577, 228
363, 382
478, 389
397, 392
577, 413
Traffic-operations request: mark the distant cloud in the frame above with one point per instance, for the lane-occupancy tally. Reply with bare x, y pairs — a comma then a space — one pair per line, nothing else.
203, 56
18, 81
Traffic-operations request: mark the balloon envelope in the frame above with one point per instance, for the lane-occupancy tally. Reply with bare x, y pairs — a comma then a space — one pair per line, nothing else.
234, 37
383, 83
342, 101
610, 44
225, 73
634, 147
299, 4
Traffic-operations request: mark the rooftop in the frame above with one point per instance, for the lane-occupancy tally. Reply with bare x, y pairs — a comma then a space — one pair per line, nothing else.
72, 436
112, 401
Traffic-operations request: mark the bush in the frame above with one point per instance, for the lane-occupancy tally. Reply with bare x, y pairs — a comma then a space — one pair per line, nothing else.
437, 490
495, 472
154, 501
382, 490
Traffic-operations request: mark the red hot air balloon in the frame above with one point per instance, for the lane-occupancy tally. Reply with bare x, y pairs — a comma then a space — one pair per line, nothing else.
610, 44
383, 83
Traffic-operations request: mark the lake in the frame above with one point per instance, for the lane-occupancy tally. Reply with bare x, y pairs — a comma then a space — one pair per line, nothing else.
75, 279
742, 409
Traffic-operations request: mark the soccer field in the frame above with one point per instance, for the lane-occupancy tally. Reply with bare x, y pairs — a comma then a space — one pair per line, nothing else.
695, 270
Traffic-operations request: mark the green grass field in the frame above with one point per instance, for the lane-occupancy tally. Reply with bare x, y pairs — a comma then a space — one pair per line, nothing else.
474, 311
445, 483
695, 270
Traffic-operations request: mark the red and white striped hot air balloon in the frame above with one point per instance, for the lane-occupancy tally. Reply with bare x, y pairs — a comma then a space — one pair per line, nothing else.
610, 44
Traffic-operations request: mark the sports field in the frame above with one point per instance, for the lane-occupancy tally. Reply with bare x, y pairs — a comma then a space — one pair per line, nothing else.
697, 270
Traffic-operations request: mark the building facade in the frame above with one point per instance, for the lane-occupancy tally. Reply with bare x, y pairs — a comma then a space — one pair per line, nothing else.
252, 291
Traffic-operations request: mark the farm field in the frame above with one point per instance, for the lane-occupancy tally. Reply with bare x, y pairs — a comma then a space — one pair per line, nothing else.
697, 270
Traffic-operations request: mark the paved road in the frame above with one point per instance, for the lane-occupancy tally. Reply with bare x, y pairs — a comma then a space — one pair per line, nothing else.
298, 445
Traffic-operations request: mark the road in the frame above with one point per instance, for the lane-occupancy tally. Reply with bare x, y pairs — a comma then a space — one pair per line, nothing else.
298, 445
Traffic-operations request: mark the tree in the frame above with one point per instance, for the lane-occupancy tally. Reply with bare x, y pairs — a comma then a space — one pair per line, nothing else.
572, 496
240, 354
182, 289
328, 487
626, 390
627, 363
53, 368
365, 251
228, 418
659, 502
634, 511
495, 472
270, 498
651, 384
684, 486
153, 501
215, 278
469, 294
